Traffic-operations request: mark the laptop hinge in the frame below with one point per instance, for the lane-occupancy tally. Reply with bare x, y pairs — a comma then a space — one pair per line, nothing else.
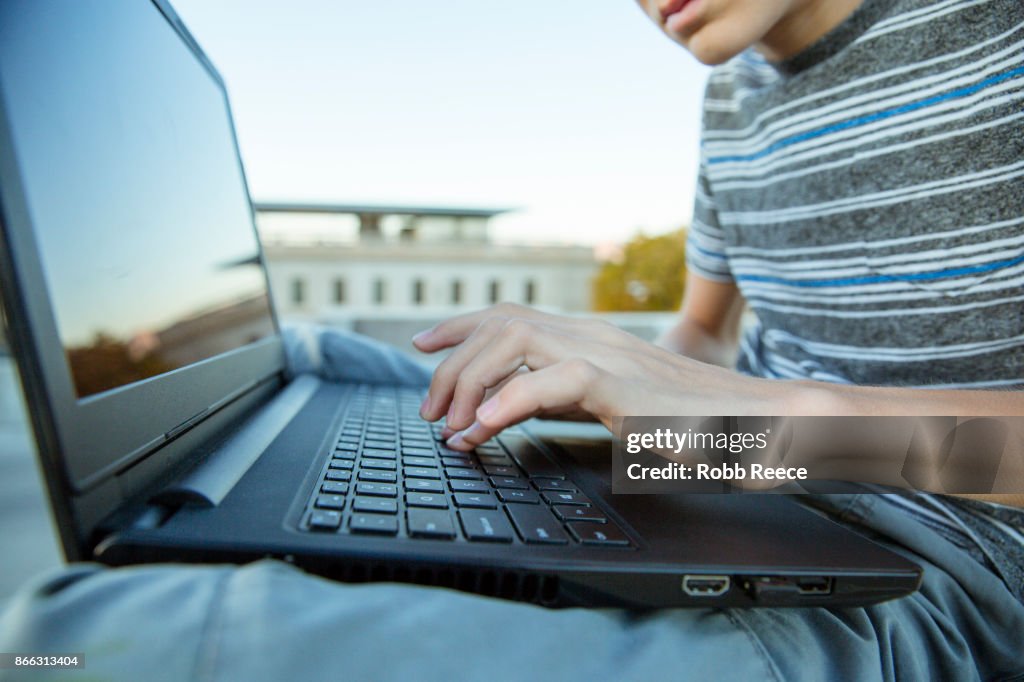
208, 484
187, 424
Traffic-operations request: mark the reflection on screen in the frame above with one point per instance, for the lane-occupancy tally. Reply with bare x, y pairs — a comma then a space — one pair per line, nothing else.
134, 190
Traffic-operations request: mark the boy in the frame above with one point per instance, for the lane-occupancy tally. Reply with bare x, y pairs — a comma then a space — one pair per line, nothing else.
781, 204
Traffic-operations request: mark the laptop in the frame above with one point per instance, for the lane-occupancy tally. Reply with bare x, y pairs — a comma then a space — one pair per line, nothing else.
170, 430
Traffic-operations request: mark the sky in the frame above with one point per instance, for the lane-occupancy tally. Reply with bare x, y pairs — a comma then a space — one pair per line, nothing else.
580, 114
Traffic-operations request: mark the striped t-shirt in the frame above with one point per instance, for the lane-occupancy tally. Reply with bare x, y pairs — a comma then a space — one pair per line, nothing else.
867, 198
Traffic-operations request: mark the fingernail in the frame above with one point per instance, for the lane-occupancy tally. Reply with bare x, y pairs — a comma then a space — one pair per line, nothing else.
425, 405
488, 408
422, 335
460, 437
447, 432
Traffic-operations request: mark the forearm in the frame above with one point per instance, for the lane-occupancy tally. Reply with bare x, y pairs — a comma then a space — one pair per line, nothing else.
1005, 460
690, 339
708, 326
818, 398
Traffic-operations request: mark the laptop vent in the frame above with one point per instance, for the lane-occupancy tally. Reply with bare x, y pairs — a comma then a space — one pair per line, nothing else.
530, 587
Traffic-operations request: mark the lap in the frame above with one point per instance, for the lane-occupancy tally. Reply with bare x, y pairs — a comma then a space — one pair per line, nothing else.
269, 620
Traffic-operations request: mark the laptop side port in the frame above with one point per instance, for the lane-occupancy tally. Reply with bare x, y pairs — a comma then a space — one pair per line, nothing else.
705, 585
771, 587
814, 585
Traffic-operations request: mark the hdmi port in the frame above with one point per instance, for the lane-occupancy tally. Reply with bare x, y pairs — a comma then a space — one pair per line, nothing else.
705, 585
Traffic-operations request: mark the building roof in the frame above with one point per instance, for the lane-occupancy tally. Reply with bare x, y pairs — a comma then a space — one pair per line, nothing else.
378, 209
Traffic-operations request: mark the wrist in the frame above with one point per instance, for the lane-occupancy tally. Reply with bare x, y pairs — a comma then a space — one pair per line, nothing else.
816, 398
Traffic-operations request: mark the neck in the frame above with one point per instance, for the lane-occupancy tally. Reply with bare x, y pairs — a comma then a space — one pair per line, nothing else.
804, 24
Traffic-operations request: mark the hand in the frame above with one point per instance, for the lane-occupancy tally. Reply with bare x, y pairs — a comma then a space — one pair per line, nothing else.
573, 365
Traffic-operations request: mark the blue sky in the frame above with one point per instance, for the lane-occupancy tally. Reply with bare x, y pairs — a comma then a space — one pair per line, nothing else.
578, 112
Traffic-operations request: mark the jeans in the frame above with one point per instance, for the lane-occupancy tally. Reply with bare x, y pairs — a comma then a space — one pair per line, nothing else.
270, 621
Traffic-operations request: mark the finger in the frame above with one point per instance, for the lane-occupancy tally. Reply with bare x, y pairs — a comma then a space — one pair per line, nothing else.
572, 383
442, 383
457, 329
520, 343
447, 432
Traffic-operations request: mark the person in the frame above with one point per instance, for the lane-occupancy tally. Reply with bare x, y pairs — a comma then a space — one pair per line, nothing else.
859, 190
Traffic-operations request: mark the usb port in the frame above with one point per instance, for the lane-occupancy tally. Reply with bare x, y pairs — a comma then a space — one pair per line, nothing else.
705, 585
814, 585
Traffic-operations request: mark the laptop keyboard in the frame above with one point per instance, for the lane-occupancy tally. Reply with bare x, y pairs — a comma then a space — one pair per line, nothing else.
391, 475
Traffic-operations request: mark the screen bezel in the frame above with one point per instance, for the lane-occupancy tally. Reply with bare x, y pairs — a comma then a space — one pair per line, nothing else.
93, 439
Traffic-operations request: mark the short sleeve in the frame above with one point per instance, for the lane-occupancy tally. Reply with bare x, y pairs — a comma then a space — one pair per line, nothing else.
705, 243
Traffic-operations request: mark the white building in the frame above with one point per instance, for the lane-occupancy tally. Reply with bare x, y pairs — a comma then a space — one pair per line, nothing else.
342, 263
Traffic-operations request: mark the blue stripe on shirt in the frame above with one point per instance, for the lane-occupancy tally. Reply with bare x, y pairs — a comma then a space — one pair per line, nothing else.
863, 120
875, 279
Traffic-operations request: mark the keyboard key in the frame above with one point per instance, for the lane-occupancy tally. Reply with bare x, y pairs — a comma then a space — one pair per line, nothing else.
379, 505
536, 525
426, 500
562, 497
568, 512
422, 472
379, 454
598, 534
378, 476
509, 482
501, 471
490, 448
342, 464
417, 452
373, 523
553, 484
379, 444
321, 519
464, 474
344, 454
338, 475
418, 461
330, 502
334, 487
430, 523
458, 486
532, 460
463, 462
496, 460
520, 496
346, 447
420, 485
377, 489
385, 464
476, 500
485, 526
351, 439
414, 444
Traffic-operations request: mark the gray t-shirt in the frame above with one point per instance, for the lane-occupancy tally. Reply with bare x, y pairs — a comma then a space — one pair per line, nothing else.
867, 197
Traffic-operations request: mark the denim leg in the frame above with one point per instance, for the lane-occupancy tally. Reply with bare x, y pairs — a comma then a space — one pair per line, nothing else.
341, 355
270, 621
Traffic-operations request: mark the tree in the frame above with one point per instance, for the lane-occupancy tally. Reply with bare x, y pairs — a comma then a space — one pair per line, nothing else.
648, 276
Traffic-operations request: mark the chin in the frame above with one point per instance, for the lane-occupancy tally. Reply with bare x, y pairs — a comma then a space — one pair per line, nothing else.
711, 53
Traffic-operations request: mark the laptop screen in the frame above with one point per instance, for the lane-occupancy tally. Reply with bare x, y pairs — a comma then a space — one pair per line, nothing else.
134, 188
